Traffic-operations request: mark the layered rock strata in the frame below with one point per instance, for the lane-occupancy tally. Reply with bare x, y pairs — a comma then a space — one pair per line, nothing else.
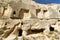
28, 20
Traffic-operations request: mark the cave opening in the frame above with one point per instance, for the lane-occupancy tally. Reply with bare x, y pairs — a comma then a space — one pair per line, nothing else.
51, 28
21, 23
13, 16
37, 11
20, 32
14, 13
35, 31
23, 13
44, 11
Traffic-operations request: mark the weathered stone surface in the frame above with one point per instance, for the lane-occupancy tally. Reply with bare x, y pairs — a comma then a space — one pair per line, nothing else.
8, 11
28, 20
1, 11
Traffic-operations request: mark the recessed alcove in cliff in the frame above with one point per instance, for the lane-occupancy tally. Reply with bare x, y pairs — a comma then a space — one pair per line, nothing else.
13, 15
37, 11
20, 32
21, 23
23, 13
51, 28
5, 8
44, 11
35, 31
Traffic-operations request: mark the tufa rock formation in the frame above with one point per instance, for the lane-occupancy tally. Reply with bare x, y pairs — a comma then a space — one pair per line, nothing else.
28, 20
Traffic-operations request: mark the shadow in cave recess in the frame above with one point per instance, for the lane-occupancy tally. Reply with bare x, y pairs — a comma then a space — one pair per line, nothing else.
51, 28
20, 32
35, 31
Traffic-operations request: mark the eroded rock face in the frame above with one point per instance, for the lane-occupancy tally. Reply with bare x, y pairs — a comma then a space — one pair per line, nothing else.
28, 20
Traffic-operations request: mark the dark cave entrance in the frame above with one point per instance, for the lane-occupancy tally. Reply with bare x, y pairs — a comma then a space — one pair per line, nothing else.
20, 32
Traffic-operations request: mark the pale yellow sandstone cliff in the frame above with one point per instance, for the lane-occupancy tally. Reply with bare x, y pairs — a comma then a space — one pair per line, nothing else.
28, 20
